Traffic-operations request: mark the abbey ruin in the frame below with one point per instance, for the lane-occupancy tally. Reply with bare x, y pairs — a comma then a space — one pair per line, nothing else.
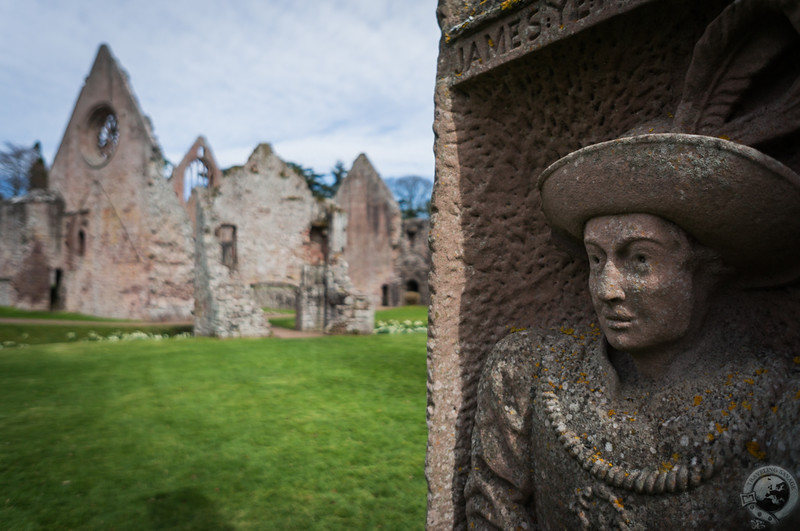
114, 233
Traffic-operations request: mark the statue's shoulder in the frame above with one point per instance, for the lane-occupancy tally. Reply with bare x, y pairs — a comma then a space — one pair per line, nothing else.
520, 353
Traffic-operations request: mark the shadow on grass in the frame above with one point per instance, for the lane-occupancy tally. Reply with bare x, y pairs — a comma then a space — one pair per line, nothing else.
185, 509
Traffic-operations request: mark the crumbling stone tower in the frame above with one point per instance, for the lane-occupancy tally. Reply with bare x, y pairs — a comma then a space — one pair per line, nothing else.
128, 245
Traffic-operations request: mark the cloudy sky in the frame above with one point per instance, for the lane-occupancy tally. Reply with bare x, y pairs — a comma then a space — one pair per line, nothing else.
321, 80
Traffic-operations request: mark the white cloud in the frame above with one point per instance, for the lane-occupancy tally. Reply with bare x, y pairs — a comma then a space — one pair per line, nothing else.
321, 81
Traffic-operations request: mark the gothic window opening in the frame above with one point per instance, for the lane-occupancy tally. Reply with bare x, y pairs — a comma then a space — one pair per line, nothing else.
108, 136
100, 137
226, 234
195, 175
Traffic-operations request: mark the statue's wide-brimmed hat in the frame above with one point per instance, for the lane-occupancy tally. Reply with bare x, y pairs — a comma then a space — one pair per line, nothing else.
731, 198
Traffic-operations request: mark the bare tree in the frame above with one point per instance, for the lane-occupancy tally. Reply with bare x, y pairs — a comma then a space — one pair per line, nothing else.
413, 194
16, 163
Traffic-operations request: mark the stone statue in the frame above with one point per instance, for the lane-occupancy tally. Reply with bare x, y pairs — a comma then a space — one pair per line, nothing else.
662, 415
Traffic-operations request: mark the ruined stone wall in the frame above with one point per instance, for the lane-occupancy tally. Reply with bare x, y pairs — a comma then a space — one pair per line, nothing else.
131, 252
413, 262
273, 210
254, 231
373, 231
30, 251
224, 302
327, 301
519, 85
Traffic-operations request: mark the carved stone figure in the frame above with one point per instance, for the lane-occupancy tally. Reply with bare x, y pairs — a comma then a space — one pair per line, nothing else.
664, 414
522, 84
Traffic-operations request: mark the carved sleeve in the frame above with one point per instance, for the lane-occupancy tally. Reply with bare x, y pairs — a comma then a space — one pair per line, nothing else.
499, 489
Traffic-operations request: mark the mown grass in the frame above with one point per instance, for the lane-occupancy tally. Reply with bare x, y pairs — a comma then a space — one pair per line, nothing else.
45, 331
9, 312
403, 313
284, 322
321, 433
400, 313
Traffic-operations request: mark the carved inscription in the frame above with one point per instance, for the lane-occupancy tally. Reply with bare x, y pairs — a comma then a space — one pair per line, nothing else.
525, 30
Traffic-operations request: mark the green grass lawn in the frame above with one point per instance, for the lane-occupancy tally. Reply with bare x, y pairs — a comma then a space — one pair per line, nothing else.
7, 311
321, 433
403, 313
400, 313
47, 332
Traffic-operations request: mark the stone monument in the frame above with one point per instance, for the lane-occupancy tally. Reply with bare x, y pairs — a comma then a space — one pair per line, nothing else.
658, 416
521, 85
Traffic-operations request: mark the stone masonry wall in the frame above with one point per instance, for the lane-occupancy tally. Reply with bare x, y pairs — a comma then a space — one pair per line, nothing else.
224, 302
373, 230
413, 261
30, 250
268, 211
130, 254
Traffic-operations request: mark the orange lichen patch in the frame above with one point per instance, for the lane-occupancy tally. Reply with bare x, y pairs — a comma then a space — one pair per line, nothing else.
611, 412
567, 331
755, 450
666, 466
759, 372
676, 456
724, 413
731, 406
724, 137
746, 405
698, 400
618, 503
710, 437
749, 381
797, 360
720, 428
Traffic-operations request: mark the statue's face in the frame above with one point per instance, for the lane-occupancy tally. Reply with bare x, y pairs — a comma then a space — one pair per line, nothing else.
640, 278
